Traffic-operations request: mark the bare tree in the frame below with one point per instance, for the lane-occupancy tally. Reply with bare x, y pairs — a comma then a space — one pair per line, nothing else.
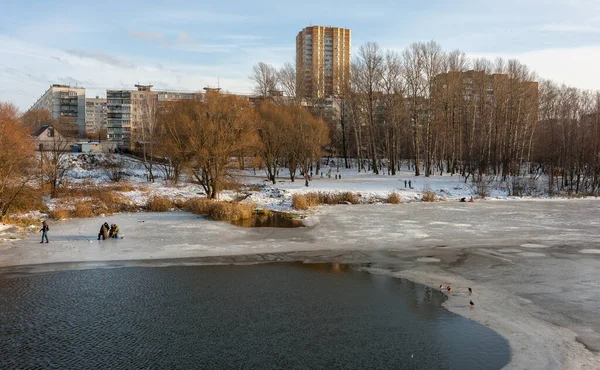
34, 119
273, 124
16, 158
287, 81
367, 72
147, 132
265, 79
55, 163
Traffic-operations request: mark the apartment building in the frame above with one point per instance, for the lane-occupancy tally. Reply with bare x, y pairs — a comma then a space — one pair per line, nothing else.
67, 106
95, 115
322, 61
128, 110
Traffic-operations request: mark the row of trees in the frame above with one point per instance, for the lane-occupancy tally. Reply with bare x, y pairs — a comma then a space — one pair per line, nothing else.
205, 137
441, 112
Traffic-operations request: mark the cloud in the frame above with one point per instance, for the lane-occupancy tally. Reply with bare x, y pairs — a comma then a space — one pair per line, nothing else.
147, 36
572, 66
45, 65
184, 38
242, 37
100, 57
571, 27
205, 17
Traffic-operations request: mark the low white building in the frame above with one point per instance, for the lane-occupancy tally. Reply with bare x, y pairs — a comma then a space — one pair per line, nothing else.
90, 147
47, 139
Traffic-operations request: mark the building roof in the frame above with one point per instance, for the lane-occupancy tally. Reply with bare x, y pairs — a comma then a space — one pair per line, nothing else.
40, 130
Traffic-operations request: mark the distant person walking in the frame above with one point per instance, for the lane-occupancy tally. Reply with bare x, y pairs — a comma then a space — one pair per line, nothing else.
405, 184
410, 184
44, 231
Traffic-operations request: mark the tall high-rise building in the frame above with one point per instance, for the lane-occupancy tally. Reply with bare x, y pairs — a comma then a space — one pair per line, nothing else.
322, 61
66, 104
95, 115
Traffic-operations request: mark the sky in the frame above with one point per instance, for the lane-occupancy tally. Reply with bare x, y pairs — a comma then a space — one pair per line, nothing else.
188, 45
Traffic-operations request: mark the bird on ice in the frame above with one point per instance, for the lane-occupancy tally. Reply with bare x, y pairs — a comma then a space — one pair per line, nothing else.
449, 289
470, 290
471, 303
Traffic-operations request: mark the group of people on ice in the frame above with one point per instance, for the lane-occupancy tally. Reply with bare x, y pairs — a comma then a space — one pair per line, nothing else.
106, 231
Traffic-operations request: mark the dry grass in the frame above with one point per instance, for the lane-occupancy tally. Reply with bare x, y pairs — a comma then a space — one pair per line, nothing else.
225, 211
159, 204
21, 221
93, 191
29, 199
393, 198
60, 214
198, 206
220, 211
92, 200
84, 210
429, 196
313, 199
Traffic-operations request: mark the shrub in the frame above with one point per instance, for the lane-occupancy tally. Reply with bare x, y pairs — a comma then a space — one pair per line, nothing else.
393, 198
159, 204
482, 188
429, 196
348, 197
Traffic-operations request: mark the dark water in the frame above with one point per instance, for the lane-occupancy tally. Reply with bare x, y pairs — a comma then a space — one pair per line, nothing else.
260, 316
273, 219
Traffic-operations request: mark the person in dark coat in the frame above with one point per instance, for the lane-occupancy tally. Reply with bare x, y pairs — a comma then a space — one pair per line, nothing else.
103, 231
44, 231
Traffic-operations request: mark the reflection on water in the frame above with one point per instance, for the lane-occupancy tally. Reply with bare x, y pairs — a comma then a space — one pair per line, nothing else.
271, 219
258, 316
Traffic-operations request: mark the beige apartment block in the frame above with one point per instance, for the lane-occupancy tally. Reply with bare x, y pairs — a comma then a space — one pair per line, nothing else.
129, 110
322, 61
66, 104
95, 115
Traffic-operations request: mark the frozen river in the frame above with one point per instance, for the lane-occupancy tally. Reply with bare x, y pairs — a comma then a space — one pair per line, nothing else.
534, 266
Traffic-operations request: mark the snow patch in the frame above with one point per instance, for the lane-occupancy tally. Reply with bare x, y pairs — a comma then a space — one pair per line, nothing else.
531, 254
530, 245
590, 251
509, 250
428, 259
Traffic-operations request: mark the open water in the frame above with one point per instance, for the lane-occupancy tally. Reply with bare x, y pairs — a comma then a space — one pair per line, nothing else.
267, 316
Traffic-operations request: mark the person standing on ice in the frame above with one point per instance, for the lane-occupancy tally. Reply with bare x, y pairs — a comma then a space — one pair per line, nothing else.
405, 184
410, 184
44, 231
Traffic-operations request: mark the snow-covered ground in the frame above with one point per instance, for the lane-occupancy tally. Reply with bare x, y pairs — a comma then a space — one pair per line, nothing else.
256, 189
534, 265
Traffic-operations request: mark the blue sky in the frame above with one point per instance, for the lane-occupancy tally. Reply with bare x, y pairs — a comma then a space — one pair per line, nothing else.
187, 45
